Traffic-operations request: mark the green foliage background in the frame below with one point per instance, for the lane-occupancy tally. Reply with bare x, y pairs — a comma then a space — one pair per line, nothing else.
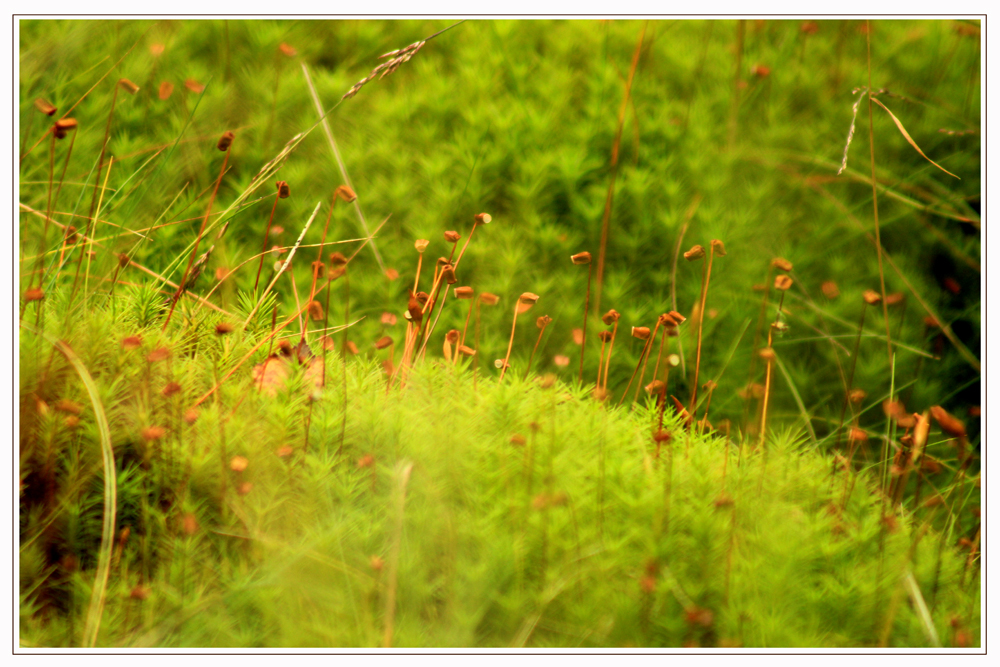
748, 120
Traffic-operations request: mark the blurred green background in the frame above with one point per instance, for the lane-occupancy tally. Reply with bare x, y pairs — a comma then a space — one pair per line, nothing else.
741, 123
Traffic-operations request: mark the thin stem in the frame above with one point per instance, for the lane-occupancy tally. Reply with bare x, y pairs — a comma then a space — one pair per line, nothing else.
267, 233
510, 345
586, 308
611, 347
701, 320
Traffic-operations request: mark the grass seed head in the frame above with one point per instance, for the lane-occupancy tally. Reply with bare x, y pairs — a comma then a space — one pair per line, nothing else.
610, 317
581, 258
718, 248
543, 321
782, 264
452, 236
605, 336
283, 191
448, 274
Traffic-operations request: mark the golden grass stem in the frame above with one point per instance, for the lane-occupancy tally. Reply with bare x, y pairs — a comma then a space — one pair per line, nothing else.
510, 345
586, 308
267, 233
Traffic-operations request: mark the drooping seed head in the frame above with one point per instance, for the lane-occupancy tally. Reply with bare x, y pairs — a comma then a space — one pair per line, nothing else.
422, 298
581, 258
452, 236
421, 245
543, 321
718, 248
680, 319
782, 282
45, 107
383, 342
666, 320
452, 336
448, 273
695, 253
483, 218
782, 264
526, 301
466, 351
337, 259
63, 126
131, 342
334, 272
283, 191
159, 354
345, 192
948, 423
518, 440
465, 292
605, 336
128, 86
642, 333
871, 297
610, 317
443, 262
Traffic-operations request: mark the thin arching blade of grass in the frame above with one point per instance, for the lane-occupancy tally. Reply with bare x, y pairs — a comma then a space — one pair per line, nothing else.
284, 266
340, 162
798, 399
936, 207
110, 490
909, 139
921, 607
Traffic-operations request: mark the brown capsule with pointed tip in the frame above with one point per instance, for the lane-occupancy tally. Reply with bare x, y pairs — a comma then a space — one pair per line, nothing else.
605, 336
448, 274
580, 258
718, 248
667, 320
610, 317
642, 333
782, 282
283, 190
696, 252
345, 192
680, 319
452, 236
543, 321
465, 292
225, 141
